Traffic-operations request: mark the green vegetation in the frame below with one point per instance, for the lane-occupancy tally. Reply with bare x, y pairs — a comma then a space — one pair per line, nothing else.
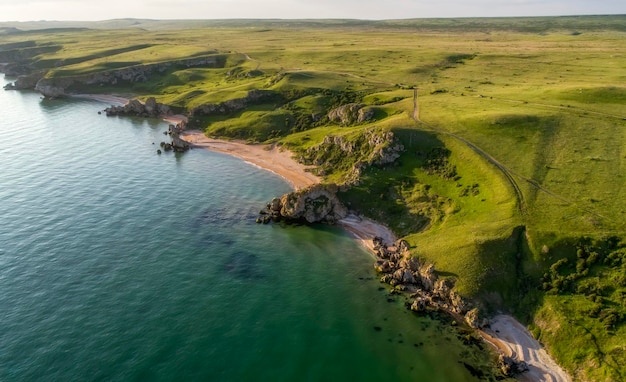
512, 171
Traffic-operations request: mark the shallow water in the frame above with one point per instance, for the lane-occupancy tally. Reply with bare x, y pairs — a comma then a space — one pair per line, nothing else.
120, 264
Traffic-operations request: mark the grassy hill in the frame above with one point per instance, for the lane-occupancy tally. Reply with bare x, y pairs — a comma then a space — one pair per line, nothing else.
513, 172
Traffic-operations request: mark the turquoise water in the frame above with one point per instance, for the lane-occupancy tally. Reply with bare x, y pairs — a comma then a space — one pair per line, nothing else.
117, 264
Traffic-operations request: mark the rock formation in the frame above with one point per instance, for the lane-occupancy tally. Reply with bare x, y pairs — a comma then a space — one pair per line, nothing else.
27, 81
510, 367
151, 108
235, 105
427, 290
59, 86
351, 113
374, 147
315, 204
178, 144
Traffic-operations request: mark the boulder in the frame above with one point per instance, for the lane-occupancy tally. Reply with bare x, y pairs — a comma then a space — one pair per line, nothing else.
474, 320
511, 367
318, 203
275, 205
428, 277
179, 144
345, 114
419, 304
383, 266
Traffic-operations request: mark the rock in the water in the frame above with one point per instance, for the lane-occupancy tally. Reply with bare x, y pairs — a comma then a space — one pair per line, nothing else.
134, 107
318, 203
419, 305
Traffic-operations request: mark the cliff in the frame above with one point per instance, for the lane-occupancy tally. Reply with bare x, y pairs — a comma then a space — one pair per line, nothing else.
58, 86
150, 109
315, 204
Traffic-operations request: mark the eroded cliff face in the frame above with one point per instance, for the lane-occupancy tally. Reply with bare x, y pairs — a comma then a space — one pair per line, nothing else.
354, 154
61, 85
149, 109
315, 204
234, 105
351, 113
420, 280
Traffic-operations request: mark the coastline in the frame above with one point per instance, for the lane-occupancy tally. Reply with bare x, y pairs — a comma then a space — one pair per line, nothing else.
267, 157
506, 334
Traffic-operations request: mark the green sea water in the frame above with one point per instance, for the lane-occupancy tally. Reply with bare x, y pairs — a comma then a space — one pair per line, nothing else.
118, 264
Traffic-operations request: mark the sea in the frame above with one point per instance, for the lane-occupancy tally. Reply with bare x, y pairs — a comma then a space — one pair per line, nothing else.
119, 264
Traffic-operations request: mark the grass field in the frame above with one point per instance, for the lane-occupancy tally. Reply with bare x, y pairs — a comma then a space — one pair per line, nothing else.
514, 160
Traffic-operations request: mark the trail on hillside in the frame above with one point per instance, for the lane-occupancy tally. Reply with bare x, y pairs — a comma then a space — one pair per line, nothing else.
560, 107
257, 62
508, 173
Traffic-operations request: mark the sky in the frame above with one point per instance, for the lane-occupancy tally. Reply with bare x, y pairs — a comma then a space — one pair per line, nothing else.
78, 10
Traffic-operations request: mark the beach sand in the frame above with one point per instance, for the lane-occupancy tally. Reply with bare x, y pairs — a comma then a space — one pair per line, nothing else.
268, 157
506, 334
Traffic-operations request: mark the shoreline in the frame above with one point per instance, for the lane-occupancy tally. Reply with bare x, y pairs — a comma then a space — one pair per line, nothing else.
268, 157
506, 335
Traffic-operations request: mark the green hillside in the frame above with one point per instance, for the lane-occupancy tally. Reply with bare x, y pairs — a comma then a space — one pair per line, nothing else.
513, 176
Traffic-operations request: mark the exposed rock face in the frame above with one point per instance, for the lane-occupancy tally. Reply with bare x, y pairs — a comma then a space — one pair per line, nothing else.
511, 367
351, 113
28, 81
151, 108
59, 86
316, 204
235, 105
474, 319
429, 291
374, 147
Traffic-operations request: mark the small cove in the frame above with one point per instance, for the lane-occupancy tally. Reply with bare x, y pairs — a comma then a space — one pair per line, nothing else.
120, 264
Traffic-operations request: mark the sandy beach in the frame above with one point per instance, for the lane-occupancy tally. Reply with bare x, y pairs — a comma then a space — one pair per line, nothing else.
112, 99
506, 334
268, 157
513, 339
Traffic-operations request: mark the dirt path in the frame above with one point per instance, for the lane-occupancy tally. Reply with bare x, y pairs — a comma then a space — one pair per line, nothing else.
257, 62
549, 106
508, 174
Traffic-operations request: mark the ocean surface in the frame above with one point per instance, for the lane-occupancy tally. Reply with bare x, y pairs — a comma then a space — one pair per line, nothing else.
118, 264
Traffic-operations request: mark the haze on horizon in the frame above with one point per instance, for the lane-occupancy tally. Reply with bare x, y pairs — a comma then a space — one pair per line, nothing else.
92, 10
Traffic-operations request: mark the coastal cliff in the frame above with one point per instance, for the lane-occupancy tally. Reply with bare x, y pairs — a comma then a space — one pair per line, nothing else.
315, 204
61, 85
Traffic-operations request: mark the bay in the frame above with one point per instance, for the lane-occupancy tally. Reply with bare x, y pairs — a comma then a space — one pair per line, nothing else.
118, 264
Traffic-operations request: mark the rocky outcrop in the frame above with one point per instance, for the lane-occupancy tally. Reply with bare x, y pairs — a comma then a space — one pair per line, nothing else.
60, 86
254, 96
510, 367
315, 204
351, 113
150, 108
178, 144
374, 147
426, 289
27, 81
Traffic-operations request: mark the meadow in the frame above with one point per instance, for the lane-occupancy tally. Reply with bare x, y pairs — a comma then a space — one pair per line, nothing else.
514, 164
